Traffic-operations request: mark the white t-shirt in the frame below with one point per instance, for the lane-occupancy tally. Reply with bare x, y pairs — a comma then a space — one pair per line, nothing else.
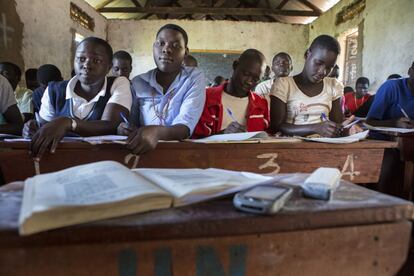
238, 108
120, 94
7, 98
302, 109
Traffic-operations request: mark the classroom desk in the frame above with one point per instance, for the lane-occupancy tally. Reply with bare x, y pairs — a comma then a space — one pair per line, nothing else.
360, 162
406, 147
358, 232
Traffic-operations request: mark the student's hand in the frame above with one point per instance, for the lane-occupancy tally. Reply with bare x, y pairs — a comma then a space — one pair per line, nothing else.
29, 129
234, 127
350, 130
125, 129
327, 129
49, 135
143, 139
404, 123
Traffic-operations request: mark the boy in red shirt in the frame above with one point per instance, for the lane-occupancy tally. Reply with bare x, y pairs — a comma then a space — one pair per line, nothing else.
354, 101
233, 107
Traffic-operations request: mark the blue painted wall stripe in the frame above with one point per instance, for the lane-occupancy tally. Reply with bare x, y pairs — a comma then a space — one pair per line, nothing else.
163, 262
127, 263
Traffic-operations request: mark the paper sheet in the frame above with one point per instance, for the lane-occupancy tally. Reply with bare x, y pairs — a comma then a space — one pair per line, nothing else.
222, 138
339, 140
390, 129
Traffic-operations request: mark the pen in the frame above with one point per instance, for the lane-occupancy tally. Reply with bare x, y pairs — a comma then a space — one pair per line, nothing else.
323, 117
403, 112
352, 123
124, 118
231, 115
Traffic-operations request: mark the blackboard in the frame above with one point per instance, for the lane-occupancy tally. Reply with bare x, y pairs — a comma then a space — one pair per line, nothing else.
215, 64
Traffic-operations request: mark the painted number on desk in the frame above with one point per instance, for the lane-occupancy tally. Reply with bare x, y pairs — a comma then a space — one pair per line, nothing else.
349, 164
270, 163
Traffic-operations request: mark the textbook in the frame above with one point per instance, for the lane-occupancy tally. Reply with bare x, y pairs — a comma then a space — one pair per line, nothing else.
232, 137
108, 189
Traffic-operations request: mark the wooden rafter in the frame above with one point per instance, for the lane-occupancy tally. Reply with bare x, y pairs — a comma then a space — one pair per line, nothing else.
211, 11
136, 3
311, 6
282, 4
103, 4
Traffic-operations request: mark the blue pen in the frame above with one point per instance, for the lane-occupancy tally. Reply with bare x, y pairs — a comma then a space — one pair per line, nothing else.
231, 115
403, 112
124, 118
323, 117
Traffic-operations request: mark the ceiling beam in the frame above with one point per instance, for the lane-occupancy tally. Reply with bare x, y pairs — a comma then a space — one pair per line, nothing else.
211, 11
282, 4
103, 4
136, 3
311, 6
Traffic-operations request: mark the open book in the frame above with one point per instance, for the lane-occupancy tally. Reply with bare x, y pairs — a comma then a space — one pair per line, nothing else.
108, 189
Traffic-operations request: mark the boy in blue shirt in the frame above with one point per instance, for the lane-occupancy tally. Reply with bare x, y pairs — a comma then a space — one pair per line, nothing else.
169, 98
392, 99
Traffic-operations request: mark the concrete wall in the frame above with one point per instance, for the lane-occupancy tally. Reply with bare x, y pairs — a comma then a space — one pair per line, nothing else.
386, 40
47, 32
137, 38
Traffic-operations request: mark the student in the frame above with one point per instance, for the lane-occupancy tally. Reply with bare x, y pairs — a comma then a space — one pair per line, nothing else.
218, 80
266, 75
335, 72
23, 95
394, 98
169, 98
10, 118
45, 74
233, 107
354, 101
31, 78
121, 64
309, 103
88, 104
190, 61
281, 67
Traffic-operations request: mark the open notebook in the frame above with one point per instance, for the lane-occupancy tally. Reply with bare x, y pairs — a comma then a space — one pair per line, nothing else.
108, 189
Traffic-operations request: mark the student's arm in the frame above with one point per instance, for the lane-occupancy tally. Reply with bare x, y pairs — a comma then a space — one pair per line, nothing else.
278, 122
146, 138
14, 122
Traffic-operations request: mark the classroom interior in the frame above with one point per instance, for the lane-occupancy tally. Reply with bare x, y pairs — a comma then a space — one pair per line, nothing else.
376, 38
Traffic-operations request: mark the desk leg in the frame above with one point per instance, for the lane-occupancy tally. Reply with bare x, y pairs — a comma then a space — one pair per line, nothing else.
408, 179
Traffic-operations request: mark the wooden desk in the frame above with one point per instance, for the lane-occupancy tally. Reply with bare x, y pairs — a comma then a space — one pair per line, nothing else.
358, 232
360, 162
406, 147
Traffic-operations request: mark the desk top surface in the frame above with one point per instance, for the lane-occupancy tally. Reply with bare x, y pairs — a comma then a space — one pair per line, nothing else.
371, 144
351, 205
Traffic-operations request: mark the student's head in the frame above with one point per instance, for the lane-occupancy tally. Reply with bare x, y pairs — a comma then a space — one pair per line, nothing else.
190, 61
393, 76
170, 48
219, 80
320, 58
93, 60
248, 70
282, 64
121, 64
335, 72
348, 89
31, 80
361, 87
11, 72
47, 73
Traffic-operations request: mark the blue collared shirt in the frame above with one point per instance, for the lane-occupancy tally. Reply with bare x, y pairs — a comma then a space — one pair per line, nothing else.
183, 103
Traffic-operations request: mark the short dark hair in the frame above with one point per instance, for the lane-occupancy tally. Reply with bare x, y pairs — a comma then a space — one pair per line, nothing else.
30, 74
175, 28
327, 42
122, 55
47, 73
99, 41
362, 80
348, 89
282, 54
394, 76
252, 54
12, 66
